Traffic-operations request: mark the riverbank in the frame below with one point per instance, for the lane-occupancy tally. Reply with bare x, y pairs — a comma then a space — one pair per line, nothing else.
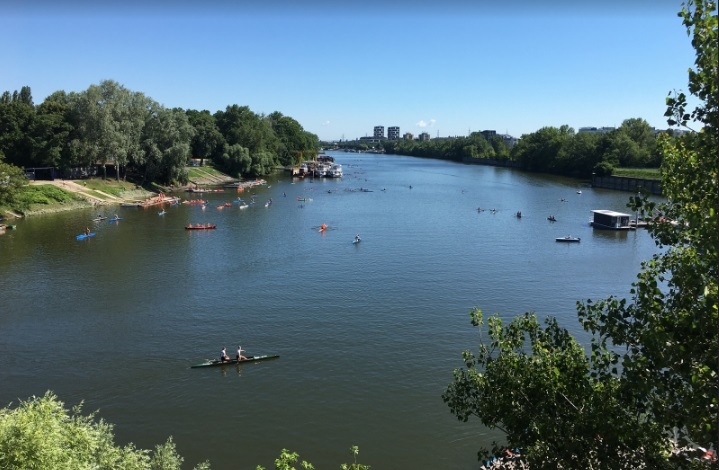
94, 192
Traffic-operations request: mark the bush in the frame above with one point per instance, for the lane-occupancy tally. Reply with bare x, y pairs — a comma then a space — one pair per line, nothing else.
603, 169
42, 433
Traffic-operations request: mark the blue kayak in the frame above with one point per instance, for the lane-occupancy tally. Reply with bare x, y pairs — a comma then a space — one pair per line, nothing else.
83, 236
114, 219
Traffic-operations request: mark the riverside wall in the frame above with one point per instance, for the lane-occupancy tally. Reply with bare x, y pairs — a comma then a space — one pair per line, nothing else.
623, 183
492, 162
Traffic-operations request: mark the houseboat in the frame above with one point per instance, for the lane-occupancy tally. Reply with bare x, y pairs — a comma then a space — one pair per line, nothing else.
611, 220
335, 171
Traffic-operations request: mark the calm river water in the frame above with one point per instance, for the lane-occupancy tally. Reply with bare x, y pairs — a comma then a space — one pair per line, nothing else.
368, 334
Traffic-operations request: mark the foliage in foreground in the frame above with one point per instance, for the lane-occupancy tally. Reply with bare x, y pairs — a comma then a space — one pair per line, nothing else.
41, 433
287, 460
651, 382
12, 180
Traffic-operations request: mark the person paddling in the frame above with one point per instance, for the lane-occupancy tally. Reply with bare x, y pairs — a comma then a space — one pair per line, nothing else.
223, 355
240, 357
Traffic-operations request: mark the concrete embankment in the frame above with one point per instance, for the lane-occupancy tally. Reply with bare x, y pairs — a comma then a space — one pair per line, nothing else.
623, 183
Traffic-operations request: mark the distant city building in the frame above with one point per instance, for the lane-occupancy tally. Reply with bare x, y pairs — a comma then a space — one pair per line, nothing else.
508, 140
393, 133
424, 137
595, 130
488, 134
379, 132
408, 136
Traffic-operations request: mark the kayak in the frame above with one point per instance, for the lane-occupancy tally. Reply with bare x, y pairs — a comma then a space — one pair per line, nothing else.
114, 219
83, 236
217, 362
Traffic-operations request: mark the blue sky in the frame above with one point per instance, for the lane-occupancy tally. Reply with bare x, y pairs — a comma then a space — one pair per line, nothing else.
341, 68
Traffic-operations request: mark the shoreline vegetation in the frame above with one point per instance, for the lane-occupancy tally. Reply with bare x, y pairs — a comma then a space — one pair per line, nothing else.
46, 197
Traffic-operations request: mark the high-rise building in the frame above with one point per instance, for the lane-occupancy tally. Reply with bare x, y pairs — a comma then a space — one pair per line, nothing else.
379, 132
393, 133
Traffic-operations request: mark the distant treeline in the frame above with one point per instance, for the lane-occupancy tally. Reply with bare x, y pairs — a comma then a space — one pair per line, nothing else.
129, 134
549, 150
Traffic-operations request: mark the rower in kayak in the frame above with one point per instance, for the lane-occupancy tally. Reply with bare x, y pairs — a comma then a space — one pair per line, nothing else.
223, 355
240, 357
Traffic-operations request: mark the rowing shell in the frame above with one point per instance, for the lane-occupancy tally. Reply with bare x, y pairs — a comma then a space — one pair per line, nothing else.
217, 362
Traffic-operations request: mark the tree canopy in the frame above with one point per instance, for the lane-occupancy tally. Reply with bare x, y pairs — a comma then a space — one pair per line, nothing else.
127, 133
650, 384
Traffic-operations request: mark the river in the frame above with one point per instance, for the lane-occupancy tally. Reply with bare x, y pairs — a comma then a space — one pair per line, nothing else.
368, 333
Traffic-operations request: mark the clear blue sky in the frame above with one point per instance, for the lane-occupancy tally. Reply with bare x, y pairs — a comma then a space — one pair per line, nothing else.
341, 68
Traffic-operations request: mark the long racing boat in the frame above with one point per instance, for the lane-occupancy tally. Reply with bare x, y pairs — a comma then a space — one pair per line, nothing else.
217, 362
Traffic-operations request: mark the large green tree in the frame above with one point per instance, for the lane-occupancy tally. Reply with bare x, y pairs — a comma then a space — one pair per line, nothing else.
653, 370
207, 142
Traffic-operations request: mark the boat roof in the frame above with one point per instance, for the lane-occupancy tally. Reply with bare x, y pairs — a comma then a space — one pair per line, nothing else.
610, 213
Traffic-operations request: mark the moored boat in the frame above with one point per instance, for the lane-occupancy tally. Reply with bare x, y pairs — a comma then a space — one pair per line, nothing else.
217, 362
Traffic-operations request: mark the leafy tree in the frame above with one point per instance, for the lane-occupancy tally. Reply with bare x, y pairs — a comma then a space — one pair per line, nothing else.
533, 383
654, 363
12, 180
16, 119
207, 141
42, 433
50, 131
538, 151
669, 332
166, 139
292, 138
236, 160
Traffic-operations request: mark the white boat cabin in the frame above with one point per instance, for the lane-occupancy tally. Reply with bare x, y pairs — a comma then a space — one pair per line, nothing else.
611, 220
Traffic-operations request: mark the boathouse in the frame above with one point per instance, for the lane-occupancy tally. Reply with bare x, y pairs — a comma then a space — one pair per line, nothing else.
610, 220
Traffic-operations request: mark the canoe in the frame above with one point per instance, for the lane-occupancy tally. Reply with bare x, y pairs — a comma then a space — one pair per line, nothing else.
83, 236
217, 362
200, 227
569, 239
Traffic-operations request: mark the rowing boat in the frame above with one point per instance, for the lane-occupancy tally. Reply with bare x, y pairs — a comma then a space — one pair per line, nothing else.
200, 227
217, 362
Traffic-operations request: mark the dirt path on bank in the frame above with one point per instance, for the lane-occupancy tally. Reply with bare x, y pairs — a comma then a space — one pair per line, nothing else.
94, 196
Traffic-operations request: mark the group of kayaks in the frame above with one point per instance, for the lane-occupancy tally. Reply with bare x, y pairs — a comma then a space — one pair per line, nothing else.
99, 218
